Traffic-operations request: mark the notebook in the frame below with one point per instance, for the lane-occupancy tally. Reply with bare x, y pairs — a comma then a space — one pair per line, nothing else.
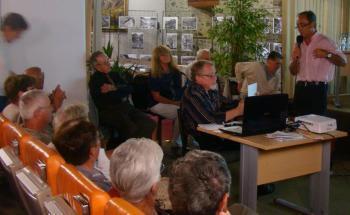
262, 114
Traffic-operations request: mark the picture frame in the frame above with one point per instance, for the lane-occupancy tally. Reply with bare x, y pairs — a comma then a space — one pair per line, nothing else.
147, 22
137, 40
114, 9
189, 23
171, 40
170, 23
126, 22
187, 42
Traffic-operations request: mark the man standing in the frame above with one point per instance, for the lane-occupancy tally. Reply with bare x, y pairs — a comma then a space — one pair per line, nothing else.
314, 58
266, 75
110, 95
12, 27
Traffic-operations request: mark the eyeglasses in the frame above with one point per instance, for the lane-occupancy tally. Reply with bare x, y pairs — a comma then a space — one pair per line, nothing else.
302, 25
209, 76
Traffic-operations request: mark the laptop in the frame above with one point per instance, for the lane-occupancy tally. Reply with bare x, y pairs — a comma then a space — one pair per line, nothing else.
262, 114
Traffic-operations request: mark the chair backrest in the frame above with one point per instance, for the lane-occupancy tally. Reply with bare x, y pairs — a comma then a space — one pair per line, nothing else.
57, 205
43, 160
10, 163
33, 191
121, 207
81, 193
11, 135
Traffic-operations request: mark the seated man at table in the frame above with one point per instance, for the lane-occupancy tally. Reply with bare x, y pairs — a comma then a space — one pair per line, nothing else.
110, 95
202, 105
209, 179
266, 75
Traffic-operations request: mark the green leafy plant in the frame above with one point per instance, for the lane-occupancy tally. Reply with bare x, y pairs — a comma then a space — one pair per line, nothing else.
237, 38
108, 50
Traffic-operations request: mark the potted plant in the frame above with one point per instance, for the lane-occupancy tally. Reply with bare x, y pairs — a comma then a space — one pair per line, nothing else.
238, 35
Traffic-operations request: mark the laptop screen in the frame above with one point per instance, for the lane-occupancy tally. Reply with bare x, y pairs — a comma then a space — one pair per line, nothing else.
264, 114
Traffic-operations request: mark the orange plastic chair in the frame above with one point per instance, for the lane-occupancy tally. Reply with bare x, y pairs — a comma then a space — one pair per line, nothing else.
118, 206
11, 134
43, 160
81, 193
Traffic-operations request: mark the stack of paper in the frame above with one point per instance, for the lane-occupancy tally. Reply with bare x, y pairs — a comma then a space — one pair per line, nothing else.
285, 136
212, 127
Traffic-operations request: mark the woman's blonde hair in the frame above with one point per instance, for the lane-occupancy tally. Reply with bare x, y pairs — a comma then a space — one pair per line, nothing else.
155, 62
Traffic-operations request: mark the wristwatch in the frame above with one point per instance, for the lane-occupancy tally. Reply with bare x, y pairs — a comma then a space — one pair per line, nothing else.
329, 55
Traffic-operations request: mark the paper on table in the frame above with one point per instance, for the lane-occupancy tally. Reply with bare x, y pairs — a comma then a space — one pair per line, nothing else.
212, 127
252, 89
285, 136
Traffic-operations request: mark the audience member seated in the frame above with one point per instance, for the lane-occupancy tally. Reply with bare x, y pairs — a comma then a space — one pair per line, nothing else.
166, 89
57, 95
135, 172
202, 54
202, 105
15, 86
36, 112
76, 111
266, 75
110, 95
78, 143
200, 183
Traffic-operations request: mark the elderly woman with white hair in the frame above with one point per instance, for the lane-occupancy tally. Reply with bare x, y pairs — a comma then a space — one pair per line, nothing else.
135, 172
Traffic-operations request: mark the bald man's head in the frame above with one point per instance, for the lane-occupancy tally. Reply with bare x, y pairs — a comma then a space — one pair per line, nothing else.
39, 76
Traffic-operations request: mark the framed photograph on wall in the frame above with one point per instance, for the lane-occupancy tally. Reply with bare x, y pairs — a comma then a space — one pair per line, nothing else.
187, 42
137, 40
148, 22
170, 23
186, 60
114, 9
277, 25
189, 23
175, 59
126, 22
171, 40
106, 22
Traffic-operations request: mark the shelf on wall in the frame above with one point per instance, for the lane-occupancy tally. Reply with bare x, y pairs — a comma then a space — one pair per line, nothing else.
203, 3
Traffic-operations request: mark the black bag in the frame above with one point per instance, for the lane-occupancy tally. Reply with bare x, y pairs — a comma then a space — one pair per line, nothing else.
141, 95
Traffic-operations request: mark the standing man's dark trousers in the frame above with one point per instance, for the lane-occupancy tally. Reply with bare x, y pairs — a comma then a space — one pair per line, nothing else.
310, 98
128, 121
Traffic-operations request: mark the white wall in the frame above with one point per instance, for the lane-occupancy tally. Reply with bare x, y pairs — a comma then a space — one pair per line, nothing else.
154, 5
55, 42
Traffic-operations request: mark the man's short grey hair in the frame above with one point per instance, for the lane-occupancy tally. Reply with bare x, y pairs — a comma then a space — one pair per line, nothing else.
31, 101
69, 112
135, 168
198, 182
197, 68
200, 52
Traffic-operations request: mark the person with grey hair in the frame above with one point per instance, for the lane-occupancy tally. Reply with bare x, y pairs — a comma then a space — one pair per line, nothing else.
36, 112
71, 111
80, 111
135, 172
201, 104
202, 54
199, 183
110, 95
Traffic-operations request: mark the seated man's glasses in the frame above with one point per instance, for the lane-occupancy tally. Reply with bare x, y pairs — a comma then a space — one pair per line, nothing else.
207, 75
302, 25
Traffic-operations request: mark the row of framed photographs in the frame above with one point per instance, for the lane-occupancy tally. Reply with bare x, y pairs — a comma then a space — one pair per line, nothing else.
146, 58
171, 40
147, 22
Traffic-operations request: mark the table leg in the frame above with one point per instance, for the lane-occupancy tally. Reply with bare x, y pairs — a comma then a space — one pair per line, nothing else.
248, 176
319, 184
